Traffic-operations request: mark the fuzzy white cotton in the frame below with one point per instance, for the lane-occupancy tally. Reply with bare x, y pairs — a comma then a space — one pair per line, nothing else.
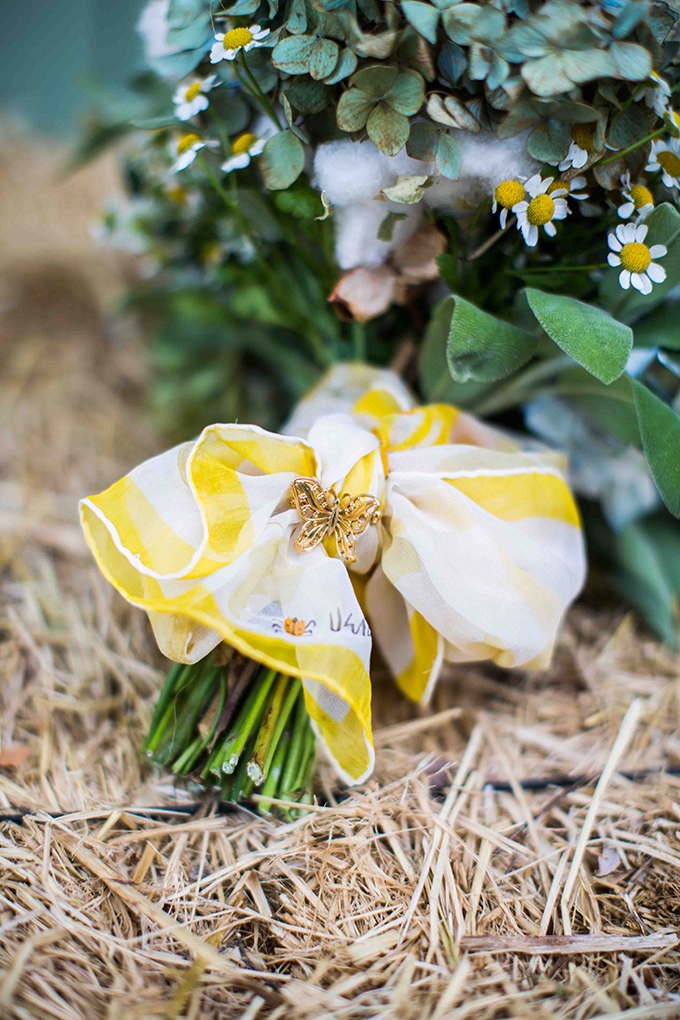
357, 171
352, 174
356, 232
486, 161
152, 26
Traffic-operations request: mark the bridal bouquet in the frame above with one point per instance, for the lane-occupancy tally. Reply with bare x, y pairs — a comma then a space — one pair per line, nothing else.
483, 195
367, 519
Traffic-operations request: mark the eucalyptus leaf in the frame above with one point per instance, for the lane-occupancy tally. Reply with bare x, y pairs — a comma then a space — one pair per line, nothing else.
586, 333
483, 348
660, 434
282, 161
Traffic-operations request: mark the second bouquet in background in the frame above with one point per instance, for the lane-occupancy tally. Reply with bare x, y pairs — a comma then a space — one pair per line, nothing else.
367, 519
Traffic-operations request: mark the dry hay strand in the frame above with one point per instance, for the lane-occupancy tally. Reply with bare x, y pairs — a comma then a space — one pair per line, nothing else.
442, 889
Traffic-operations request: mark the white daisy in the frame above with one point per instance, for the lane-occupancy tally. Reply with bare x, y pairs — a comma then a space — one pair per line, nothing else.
187, 148
541, 210
665, 156
228, 45
582, 144
190, 98
629, 251
640, 199
506, 195
572, 187
656, 95
243, 149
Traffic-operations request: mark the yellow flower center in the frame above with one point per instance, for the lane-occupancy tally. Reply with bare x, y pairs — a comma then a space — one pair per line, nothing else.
176, 194
584, 136
541, 210
635, 257
242, 143
670, 163
641, 196
509, 193
237, 38
558, 185
186, 141
193, 91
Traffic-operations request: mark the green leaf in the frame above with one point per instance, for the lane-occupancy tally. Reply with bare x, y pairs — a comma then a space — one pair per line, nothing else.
323, 58
660, 434
407, 190
346, 65
282, 161
353, 110
661, 328
449, 157
308, 96
633, 62
549, 141
407, 94
642, 580
435, 379
155, 123
484, 348
422, 142
423, 17
386, 228
388, 129
376, 80
294, 54
586, 333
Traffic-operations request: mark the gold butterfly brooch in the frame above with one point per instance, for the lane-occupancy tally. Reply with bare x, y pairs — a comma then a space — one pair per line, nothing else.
323, 513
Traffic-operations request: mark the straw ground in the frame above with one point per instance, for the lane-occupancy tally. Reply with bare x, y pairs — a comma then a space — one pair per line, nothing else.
443, 889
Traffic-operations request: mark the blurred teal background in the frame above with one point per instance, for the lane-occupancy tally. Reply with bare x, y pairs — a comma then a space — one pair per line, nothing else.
52, 48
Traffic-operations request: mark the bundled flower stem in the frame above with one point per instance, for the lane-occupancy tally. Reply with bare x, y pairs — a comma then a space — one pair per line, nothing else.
237, 728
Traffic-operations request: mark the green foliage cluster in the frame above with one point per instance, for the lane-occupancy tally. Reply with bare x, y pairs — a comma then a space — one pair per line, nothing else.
241, 263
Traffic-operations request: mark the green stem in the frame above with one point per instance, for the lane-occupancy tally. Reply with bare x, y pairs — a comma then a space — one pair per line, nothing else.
632, 148
558, 269
164, 706
292, 692
259, 94
185, 763
297, 744
359, 341
266, 732
227, 199
245, 723
272, 781
514, 391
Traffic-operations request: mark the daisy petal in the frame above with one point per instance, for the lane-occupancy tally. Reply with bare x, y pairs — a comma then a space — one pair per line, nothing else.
580, 159
613, 259
641, 232
656, 273
550, 229
614, 243
657, 251
624, 279
626, 210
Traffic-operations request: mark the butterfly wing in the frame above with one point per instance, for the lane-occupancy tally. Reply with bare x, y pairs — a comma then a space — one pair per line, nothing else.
345, 540
312, 533
359, 512
309, 498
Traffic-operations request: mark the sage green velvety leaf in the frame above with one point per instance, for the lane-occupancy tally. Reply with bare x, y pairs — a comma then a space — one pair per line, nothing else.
660, 434
587, 334
282, 161
435, 379
388, 129
353, 110
642, 579
484, 348
661, 328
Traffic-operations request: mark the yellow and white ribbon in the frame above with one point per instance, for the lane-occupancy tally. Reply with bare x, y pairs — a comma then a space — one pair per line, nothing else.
477, 554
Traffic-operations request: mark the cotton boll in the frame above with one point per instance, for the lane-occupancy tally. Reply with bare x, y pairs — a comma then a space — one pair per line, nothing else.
356, 171
356, 232
152, 26
486, 161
